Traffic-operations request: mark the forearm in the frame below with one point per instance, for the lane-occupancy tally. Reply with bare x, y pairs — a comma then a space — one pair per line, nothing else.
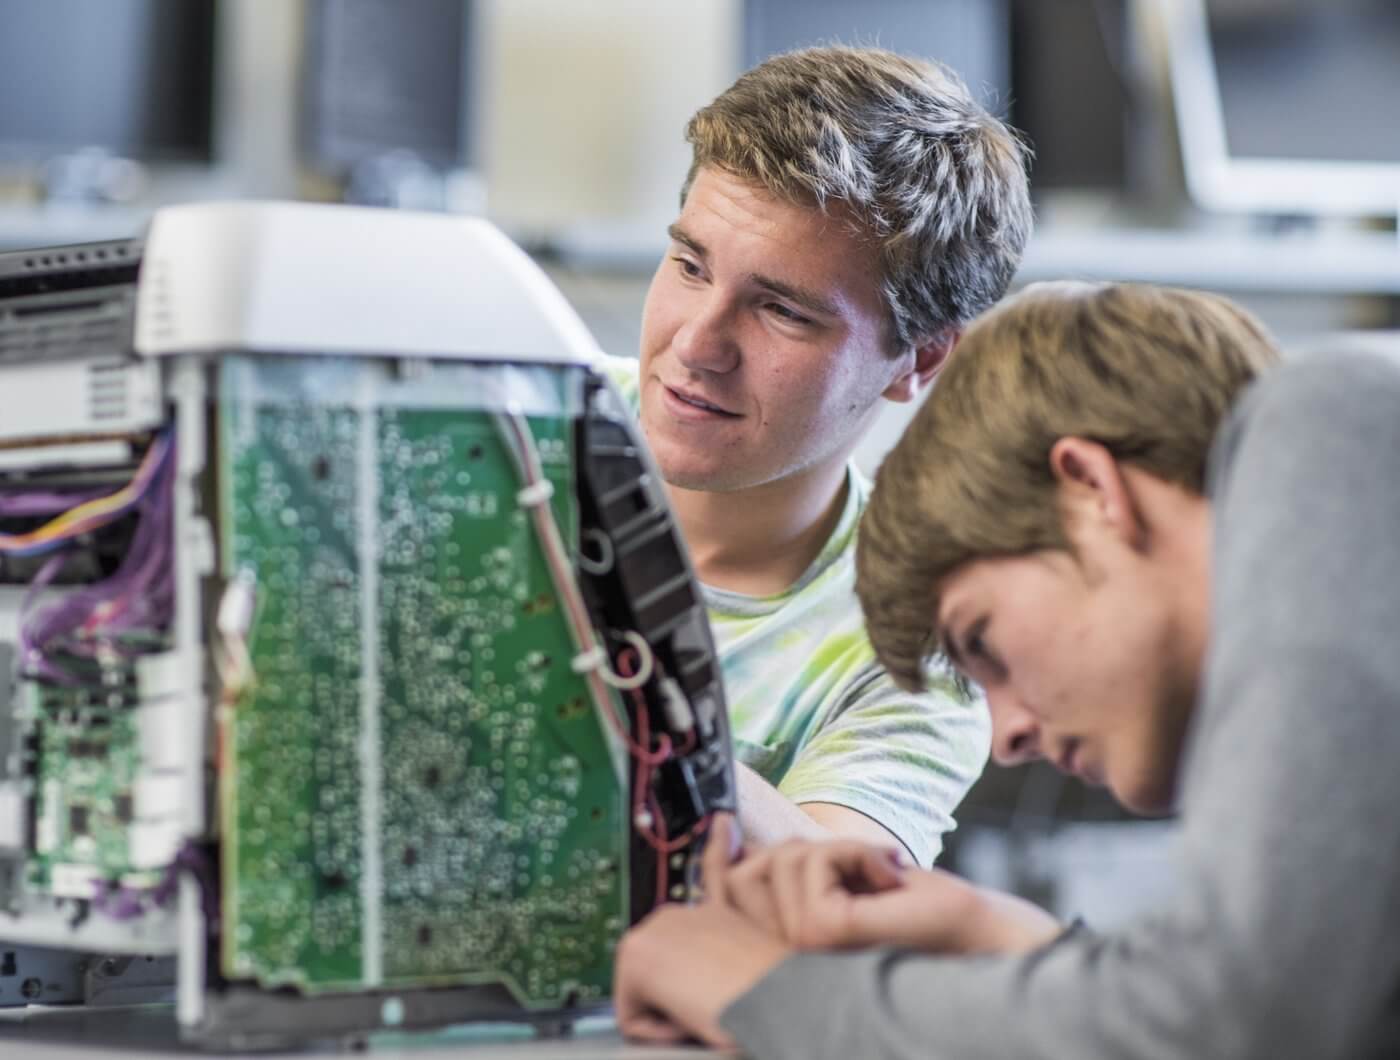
767, 816
1080, 997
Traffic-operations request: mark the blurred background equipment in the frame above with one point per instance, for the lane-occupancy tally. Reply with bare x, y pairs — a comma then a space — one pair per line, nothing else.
93, 91
1287, 107
385, 98
971, 38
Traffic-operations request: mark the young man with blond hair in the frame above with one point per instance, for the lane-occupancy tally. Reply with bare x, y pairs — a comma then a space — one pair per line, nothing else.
848, 211
1175, 571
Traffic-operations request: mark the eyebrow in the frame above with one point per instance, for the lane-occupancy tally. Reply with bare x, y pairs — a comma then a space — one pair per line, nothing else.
808, 300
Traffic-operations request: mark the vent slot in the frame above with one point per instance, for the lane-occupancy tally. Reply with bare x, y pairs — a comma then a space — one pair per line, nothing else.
51, 326
65, 307
84, 266
108, 396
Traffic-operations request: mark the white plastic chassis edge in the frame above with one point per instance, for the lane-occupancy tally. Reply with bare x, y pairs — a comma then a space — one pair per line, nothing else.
275, 277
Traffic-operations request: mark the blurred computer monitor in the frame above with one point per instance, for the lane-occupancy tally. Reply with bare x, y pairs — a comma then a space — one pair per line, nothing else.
1287, 106
1070, 94
386, 95
971, 36
133, 78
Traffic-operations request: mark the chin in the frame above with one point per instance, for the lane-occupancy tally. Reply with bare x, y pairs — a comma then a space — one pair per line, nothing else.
684, 472
681, 469
706, 480
1145, 796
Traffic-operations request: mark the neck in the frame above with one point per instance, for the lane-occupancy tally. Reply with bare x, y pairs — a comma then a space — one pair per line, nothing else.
760, 540
1195, 583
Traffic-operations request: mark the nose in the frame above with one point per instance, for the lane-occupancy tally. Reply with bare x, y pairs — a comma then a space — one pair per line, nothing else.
705, 340
1015, 732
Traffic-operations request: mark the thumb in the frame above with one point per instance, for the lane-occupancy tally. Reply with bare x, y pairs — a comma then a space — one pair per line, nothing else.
872, 870
721, 848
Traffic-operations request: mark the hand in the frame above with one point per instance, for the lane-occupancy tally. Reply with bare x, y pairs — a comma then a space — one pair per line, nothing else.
800, 891
681, 967
840, 894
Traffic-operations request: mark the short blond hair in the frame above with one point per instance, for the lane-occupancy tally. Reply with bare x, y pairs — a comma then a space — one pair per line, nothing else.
1147, 372
931, 177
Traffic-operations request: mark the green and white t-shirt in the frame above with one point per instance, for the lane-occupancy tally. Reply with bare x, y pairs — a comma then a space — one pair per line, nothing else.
813, 711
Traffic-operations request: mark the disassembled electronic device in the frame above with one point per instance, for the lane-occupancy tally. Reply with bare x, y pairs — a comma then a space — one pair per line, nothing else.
353, 673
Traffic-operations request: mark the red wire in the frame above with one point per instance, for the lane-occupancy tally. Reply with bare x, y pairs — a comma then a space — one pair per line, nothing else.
644, 802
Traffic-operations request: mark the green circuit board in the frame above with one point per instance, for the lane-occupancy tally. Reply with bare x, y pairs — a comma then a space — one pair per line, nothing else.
88, 758
415, 789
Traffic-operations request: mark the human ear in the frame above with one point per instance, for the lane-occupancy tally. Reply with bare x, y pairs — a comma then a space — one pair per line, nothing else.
929, 357
1094, 492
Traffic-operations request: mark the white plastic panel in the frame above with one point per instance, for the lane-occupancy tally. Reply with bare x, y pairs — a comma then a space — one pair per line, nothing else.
102, 395
11, 816
308, 278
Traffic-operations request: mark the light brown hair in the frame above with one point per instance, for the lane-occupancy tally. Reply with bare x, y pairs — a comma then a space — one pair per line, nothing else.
1148, 372
936, 181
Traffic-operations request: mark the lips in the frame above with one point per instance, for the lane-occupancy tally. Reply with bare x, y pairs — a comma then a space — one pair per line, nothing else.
1070, 760
688, 399
1066, 760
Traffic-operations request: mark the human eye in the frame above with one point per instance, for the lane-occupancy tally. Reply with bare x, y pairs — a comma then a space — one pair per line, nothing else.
980, 657
788, 315
975, 642
688, 266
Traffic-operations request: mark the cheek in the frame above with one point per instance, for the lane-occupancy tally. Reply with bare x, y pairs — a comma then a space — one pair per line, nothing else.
1100, 652
660, 313
801, 388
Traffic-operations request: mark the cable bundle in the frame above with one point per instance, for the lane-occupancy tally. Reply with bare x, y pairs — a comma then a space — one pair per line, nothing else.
120, 615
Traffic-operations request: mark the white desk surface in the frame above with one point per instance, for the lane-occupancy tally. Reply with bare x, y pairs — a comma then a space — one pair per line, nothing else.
145, 1032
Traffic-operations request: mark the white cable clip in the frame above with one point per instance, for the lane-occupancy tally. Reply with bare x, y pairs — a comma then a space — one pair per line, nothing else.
677, 707
592, 659
644, 670
235, 614
535, 494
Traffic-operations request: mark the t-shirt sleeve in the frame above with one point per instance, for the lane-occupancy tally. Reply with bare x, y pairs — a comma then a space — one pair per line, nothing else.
1278, 939
623, 373
902, 759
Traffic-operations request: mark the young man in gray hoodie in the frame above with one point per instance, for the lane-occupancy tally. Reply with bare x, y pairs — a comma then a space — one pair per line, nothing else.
1171, 579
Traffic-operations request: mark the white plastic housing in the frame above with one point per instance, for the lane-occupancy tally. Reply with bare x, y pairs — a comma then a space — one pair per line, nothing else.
273, 277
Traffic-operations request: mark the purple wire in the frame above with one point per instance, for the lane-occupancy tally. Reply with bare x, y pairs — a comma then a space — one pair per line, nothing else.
30, 653
44, 503
157, 459
144, 584
119, 902
144, 579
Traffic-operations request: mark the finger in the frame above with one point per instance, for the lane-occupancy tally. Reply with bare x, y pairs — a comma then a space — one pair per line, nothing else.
634, 980
649, 1027
736, 835
815, 891
873, 869
861, 867
825, 905
719, 851
785, 878
749, 893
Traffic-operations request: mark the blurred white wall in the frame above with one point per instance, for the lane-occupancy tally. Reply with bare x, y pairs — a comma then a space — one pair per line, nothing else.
584, 106
259, 63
